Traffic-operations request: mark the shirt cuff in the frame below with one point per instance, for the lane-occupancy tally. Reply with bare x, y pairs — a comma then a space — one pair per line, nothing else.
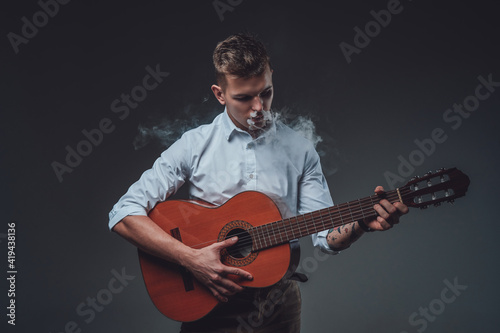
116, 215
319, 239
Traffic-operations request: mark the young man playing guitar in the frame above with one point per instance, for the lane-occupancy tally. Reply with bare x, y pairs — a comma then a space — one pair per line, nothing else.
243, 149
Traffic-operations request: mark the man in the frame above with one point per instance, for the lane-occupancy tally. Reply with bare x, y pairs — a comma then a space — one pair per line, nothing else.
244, 148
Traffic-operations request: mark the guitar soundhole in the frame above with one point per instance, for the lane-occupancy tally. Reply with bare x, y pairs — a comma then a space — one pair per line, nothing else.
243, 246
240, 254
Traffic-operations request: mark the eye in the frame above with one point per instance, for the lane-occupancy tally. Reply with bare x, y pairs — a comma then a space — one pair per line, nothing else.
243, 99
267, 93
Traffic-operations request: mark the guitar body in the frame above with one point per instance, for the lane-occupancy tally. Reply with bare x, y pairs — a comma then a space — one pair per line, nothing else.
174, 291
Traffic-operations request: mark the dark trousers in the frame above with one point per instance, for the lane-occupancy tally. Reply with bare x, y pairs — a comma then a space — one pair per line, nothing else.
273, 309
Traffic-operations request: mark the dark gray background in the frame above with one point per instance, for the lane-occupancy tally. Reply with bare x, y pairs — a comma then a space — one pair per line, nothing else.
368, 113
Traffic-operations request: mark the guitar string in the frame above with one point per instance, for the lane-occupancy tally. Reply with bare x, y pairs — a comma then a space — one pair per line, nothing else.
300, 227
346, 207
319, 217
245, 239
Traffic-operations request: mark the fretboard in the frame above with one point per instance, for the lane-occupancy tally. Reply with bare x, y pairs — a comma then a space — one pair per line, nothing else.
283, 231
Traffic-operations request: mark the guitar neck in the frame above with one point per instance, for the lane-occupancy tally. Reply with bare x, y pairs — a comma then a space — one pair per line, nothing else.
283, 231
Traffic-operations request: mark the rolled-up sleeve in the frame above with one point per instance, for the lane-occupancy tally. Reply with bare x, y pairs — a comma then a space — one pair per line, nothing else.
166, 176
314, 194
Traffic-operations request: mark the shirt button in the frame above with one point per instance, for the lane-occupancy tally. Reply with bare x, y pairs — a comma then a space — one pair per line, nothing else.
251, 176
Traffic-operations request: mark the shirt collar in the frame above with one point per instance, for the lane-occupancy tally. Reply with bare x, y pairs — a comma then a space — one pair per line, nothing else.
229, 126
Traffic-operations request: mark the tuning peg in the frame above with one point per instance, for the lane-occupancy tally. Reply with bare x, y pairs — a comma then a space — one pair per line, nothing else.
451, 201
429, 183
440, 170
437, 204
423, 207
441, 178
447, 193
433, 196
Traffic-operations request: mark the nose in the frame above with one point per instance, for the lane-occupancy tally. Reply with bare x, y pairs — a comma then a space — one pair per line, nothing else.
258, 104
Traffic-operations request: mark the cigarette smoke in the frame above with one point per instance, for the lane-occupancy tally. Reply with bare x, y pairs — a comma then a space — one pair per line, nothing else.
267, 117
325, 144
165, 131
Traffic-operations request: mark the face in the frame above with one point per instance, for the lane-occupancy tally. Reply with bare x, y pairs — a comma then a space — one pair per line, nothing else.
246, 99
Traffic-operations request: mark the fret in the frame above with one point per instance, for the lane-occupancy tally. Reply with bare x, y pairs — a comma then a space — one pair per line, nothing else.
340, 215
255, 237
284, 230
314, 222
268, 235
322, 218
252, 238
299, 226
254, 230
361, 209
292, 236
262, 230
271, 225
306, 223
330, 217
287, 228
276, 231
293, 233
259, 229
350, 211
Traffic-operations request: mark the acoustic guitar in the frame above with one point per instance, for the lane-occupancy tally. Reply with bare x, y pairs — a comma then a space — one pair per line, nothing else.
266, 246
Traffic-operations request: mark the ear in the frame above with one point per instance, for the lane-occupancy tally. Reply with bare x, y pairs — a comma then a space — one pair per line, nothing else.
219, 94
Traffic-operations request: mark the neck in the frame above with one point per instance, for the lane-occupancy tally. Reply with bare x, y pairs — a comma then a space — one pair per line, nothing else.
282, 231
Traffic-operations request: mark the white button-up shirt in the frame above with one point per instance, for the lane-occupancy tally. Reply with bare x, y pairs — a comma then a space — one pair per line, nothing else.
219, 160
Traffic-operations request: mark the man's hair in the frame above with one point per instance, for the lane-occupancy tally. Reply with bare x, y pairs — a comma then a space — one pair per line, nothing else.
240, 55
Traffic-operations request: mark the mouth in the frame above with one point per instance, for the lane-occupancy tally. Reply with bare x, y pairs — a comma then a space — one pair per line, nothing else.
258, 119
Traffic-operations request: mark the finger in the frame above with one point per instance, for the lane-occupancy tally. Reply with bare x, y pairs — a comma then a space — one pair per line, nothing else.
387, 214
379, 190
227, 286
222, 287
227, 243
217, 294
389, 208
379, 224
395, 210
238, 272
382, 209
383, 223
402, 208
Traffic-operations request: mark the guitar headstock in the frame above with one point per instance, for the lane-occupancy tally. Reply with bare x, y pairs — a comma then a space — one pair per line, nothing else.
434, 188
